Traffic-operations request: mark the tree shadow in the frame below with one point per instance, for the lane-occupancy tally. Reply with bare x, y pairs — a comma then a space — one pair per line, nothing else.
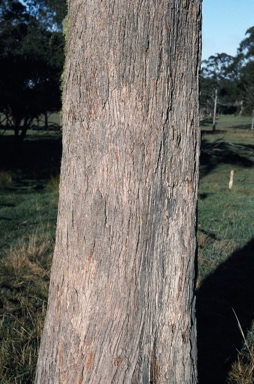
211, 132
33, 160
229, 288
243, 126
221, 152
7, 205
246, 147
207, 121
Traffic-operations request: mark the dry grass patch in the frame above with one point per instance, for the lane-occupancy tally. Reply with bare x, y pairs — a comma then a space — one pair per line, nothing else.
5, 179
242, 371
53, 183
24, 280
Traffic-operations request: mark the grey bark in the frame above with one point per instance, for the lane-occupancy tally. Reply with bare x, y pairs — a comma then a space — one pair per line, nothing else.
121, 304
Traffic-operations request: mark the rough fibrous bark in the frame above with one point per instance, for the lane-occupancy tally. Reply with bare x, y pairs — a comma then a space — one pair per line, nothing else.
121, 303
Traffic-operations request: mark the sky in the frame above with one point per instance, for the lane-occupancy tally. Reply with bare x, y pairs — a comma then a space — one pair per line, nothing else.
224, 25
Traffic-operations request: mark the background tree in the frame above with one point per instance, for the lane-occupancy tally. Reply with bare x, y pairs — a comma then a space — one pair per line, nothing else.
51, 13
245, 64
232, 77
219, 85
31, 61
121, 303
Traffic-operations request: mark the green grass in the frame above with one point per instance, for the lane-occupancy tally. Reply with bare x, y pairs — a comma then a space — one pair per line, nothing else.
27, 222
225, 253
29, 179
24, 282
225, 310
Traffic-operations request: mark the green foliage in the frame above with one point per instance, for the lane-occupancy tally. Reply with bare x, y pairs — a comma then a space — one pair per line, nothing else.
233, 77
50, 12
217, 74
31, 63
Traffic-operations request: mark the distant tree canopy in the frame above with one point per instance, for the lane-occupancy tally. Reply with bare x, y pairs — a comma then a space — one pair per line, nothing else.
232, 78
31, 60
50, 12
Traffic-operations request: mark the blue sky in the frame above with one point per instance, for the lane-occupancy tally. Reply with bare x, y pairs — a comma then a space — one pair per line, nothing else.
224, 25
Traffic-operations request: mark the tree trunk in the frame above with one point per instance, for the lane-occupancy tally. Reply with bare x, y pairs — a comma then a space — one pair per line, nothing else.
121, 304
215, 109
16, 127
46, 125
24, 128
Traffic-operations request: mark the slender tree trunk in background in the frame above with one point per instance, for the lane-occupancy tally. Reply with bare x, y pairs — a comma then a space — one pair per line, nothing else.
46, 120
121, 304
215, 109
20, 130
16, 123
241, 107
24, 128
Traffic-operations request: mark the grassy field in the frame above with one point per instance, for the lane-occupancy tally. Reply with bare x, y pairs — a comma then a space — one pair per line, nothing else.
28, 208
225, 307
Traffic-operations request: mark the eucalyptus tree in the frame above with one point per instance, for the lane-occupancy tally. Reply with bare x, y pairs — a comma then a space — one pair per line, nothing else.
121, 302
244, 62
219, 85
51, 13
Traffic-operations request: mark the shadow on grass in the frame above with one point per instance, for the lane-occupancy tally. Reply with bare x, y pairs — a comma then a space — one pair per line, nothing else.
206, 122
247, 147
7, 205
243, 126
33, 160
230, 286
220, 152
